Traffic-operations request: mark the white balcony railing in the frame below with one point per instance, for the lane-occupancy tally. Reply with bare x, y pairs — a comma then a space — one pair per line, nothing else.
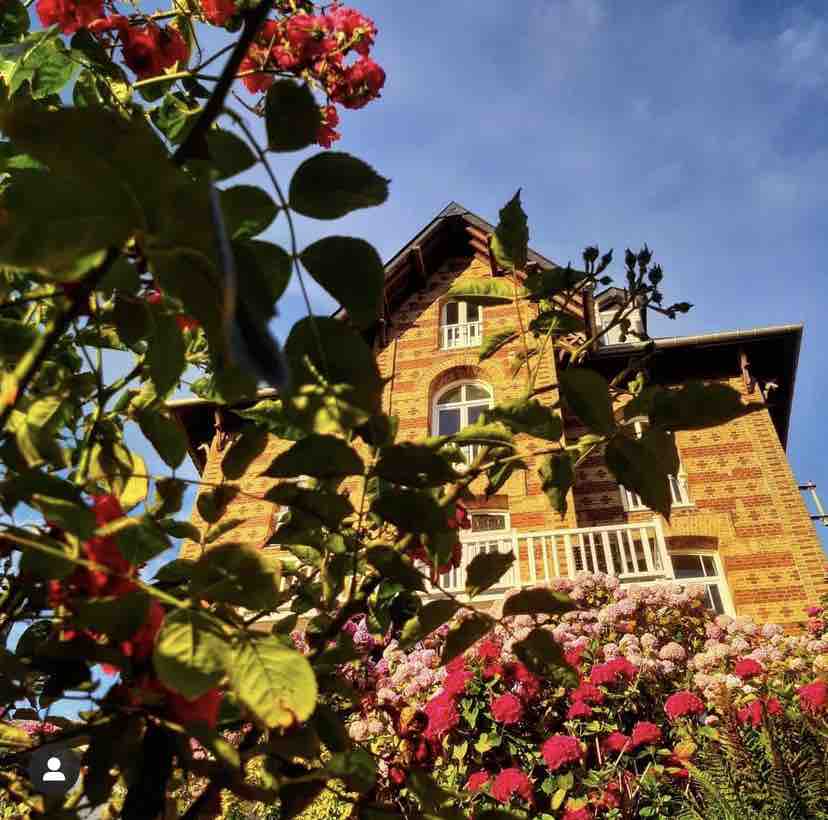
633, 552
465, 335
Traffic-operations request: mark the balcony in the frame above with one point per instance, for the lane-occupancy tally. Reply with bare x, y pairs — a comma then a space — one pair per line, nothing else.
633, 552
463, 335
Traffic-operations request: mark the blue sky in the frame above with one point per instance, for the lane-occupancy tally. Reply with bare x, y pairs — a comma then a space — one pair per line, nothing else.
697, 127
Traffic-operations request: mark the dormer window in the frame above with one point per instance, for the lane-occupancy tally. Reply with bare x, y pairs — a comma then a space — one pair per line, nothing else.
607, 305
461, 324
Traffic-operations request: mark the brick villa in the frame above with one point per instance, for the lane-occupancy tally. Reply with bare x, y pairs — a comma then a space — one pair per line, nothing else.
738, 524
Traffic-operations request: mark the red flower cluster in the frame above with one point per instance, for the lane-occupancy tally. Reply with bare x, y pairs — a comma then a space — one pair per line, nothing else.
582, 813
559, 750
528, 684
488, 650
747, 668
588, 693
442, 717
751, 715
328, 134
69, 15
419, 553
476, 781
579, 709
682, 704
456, 682
149, 50
813, 697
512, 783
616, 742
612, 672
507, 709
645, 734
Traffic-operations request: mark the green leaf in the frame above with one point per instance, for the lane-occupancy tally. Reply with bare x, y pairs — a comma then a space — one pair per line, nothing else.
329, 507
131, 319
528, 416
390, 564
587, 394
640, 467
510, 243
318, 456
176, 115
536, 601
165, 354
432, 616
250, 444
240, 575
557, 476
15, 339
292, 116
356, 768
485, 570
118, 617
414, 465
499, 474
410, 510
169, 497
141, 541
492, 342
484, 291
166, 434
332, 184
229, 154
544, 656
264, 266
40, 564
14, 20
327, 346
276, 684
545, 283
247, 209
74, 517
212, 504
696, 405
555, 322
191, 653
461, 637
352, 272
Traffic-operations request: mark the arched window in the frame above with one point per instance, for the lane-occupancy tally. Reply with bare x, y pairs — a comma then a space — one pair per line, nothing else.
461, 324
458, 406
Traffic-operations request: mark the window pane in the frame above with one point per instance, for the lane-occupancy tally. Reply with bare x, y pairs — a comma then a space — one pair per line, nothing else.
714, 598
452, 313
472, 312
476, 412
448, 422
687, 566
709, 565
474, 391
450, 397
486, 522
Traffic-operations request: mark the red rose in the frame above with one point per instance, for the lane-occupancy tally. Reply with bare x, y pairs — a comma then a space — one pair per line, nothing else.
442, 717
645, 734
153, 297
186, 323
476, 781
488, 650
218, 12
148, 50
455, 683
328, 134
493, 670
69, 15
512, 782
814, 611
354, 27
751, 714
258, 82
397, 775
573, 656
507, 709
747, 668
559, 750
588, 693
616, 742
773, 706
116, 22
203, 709
359, 84
579, 710
681, 704
813, 697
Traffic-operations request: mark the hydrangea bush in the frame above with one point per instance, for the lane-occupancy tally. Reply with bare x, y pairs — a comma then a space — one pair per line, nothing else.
653, 678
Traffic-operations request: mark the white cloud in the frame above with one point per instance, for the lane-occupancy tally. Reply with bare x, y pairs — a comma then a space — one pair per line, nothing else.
803, 50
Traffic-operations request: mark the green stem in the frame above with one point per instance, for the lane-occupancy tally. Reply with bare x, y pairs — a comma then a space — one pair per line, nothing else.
176, 75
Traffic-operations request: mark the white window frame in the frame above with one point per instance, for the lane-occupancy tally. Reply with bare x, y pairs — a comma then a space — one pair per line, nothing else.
603, 319
679, 490
718, 579
464, 333
468, 450
470, 532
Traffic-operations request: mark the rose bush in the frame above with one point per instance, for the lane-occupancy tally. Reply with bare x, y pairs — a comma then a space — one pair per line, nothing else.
654, 678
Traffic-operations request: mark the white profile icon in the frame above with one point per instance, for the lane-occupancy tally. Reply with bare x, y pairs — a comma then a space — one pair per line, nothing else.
54, 774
